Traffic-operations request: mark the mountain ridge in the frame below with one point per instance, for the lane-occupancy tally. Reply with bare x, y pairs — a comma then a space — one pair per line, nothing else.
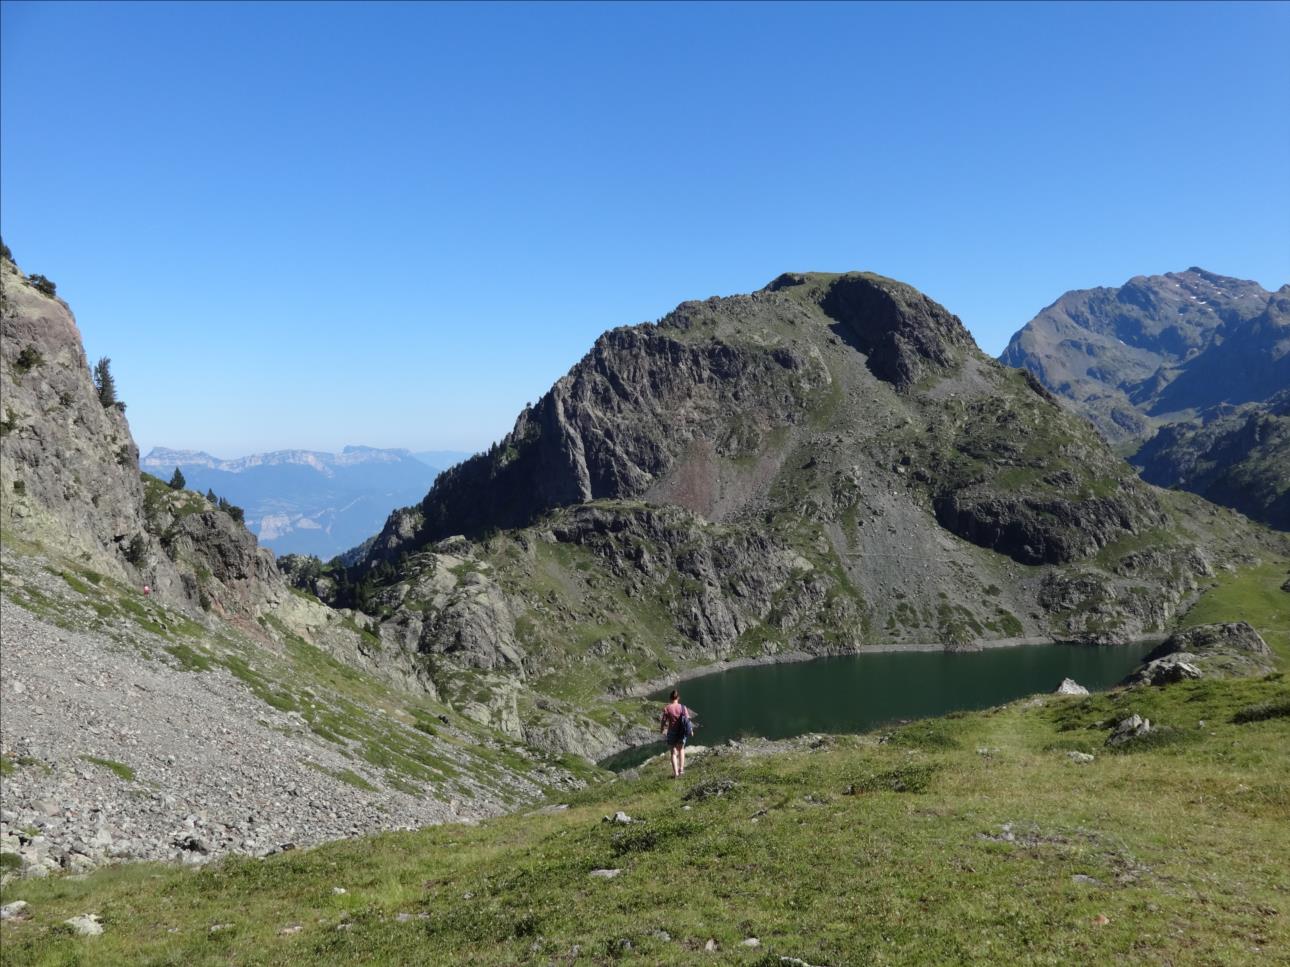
1160, 364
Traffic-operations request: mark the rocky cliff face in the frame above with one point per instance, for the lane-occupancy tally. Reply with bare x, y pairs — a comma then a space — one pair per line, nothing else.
1235, 456
822, 465
69, 470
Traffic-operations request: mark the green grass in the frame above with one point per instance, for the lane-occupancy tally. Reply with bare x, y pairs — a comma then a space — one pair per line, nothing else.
1251, 594
916, 850
119, 769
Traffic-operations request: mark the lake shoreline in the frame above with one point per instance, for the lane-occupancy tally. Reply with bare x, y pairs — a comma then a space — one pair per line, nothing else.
790, 657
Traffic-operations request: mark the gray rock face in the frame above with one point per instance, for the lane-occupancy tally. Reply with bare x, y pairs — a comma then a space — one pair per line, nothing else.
69, 473
1071, 687
68, 466
617, 422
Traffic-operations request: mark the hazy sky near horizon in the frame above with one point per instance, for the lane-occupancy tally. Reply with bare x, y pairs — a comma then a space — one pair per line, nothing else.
306, 225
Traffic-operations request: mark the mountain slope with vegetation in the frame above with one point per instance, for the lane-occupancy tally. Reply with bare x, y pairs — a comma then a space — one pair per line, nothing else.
165, 693
821, 466
1186, 372
1011, 834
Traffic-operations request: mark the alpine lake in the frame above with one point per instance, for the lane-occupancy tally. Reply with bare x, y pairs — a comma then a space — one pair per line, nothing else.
858, 693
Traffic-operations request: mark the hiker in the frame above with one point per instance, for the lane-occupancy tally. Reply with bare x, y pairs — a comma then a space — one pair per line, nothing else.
675, 723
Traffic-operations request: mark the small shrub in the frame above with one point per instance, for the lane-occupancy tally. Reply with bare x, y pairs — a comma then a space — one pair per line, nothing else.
118, 769
28, 359
10, 862
42, 285
137, 550
20, 487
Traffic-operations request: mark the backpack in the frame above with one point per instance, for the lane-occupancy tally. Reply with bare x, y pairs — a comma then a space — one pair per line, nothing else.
684, 727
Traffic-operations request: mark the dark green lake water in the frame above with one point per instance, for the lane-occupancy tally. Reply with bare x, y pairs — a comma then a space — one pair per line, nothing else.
857, 693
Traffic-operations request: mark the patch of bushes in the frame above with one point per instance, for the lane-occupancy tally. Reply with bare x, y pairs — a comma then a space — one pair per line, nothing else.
649, 836
1275, 709
907, 778
925, 734
28, 360
42, 285
1160, 737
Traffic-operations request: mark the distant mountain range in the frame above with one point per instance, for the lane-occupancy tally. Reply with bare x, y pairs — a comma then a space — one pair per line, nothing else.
308, 501
1187, 373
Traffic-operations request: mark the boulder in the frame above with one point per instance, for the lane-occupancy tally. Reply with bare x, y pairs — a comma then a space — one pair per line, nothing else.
1128, 729
1165, 671
86, 925
1070, 687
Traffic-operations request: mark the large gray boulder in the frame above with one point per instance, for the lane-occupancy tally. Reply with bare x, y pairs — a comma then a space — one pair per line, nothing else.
1178, 667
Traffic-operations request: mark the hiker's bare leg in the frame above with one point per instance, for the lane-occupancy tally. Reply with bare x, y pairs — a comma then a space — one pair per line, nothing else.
676, 769
682, 758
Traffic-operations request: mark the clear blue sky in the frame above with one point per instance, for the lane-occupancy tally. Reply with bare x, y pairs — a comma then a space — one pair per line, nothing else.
311, 225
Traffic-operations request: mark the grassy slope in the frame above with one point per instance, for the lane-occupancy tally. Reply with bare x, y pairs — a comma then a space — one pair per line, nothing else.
1186, 838
394, 738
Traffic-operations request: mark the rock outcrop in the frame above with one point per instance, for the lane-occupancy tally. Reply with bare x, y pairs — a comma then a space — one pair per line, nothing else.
1232, 650
69, 471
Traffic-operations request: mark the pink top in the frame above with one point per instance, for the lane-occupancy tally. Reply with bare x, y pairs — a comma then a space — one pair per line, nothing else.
671, 713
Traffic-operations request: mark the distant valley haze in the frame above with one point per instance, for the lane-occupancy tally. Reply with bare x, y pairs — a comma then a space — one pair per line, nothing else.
308, 501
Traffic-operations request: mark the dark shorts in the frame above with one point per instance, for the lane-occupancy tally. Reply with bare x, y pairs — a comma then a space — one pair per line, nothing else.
674, 736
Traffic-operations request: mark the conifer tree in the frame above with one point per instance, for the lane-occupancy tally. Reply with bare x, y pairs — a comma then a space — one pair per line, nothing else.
103, 381
177, 481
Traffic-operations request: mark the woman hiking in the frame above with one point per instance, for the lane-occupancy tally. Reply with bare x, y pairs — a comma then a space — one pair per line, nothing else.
675, 724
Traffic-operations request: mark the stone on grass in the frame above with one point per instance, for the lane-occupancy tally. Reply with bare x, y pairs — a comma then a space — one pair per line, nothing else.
710, 946
1167, 671
338, 891
605, 874
14, 911
1128, 729
1080, 758
86, 925
1084, 879
750, 942
1070, 687
619, 817
290, 930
